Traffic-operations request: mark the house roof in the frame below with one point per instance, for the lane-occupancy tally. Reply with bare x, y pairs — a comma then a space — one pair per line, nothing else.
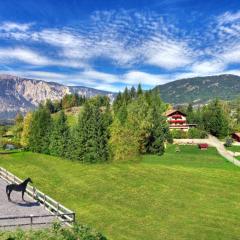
237, 134
173, 111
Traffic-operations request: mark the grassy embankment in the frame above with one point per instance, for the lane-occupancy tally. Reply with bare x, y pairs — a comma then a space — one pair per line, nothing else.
192, 194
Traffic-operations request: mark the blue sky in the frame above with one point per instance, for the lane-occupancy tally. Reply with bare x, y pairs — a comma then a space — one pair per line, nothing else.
112, 44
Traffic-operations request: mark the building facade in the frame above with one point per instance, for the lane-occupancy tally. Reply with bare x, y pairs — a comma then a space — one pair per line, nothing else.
178, 120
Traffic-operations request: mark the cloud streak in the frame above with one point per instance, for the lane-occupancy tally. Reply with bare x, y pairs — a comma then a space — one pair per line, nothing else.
132, 43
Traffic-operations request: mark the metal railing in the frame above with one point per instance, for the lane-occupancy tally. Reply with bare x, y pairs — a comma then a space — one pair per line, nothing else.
55, 209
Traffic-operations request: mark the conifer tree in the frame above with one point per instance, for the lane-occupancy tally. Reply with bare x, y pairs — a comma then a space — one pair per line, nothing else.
50, 106
92, 134
59, 136
133, 92
139, 90
126, 95
215, 120
40, 131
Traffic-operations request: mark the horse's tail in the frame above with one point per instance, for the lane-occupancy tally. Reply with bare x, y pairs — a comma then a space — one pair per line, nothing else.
7, 189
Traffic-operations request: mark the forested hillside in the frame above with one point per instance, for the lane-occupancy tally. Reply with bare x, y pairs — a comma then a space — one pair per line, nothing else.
201, 89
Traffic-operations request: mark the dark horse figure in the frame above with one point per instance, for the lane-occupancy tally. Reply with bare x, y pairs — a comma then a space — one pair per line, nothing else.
18, 187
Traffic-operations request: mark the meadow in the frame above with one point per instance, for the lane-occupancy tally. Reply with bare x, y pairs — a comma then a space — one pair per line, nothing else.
191, 194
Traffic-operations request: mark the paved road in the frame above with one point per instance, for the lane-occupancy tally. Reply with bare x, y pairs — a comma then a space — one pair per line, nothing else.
20, 208
214, 142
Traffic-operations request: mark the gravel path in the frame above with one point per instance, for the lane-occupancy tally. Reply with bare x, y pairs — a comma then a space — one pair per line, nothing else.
20, 208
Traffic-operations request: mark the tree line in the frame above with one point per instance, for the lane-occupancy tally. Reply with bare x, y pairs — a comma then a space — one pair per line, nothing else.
214, 118
134, 124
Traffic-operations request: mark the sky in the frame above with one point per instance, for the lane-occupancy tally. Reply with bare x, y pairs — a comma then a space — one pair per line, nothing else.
111, 44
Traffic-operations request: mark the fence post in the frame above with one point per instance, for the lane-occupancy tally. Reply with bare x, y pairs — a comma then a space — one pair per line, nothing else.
44, 200
57, 208
34, 193
6, 175
74, 217
31, 220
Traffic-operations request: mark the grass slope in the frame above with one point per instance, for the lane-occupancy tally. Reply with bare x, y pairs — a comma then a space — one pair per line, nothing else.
234, 148
192, 194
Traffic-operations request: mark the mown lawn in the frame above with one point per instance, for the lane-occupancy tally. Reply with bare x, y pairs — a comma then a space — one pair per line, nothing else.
234, 148
191, 194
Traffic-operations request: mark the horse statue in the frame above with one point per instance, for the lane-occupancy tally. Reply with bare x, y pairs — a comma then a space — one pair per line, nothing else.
18, 187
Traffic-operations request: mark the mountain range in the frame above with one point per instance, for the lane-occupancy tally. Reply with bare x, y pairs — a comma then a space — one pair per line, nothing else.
21, 94
199, 90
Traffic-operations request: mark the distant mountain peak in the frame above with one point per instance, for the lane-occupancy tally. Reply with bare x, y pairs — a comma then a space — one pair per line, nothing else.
199, 90
19, 94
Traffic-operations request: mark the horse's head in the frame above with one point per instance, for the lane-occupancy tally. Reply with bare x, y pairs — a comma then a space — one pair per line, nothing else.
29, 180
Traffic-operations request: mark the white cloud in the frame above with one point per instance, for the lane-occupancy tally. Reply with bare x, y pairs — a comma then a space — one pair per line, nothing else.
136, 77
228, 17
167, 54
232, 55
23, 55
128, 40
125, 38
208, 67
13, 26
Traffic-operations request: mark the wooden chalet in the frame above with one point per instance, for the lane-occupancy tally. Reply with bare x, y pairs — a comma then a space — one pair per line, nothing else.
178, 120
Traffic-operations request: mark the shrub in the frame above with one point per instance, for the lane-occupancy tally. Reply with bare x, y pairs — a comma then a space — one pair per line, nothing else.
196, 133
228, 142
178, 134
78, 232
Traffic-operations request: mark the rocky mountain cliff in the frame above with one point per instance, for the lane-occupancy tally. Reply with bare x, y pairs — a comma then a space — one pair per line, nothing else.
21, 95
199, 90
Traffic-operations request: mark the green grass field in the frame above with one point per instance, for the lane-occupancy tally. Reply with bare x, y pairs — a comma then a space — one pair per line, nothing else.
234, 148
192, 194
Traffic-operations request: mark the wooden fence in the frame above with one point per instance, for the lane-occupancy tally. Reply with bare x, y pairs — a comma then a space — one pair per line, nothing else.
55, 209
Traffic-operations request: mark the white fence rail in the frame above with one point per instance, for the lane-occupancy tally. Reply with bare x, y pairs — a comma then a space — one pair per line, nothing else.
55, 208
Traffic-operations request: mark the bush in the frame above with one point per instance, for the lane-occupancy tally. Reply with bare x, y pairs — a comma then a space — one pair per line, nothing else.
178, 134
78, 232
229, 142
193, 133
196, 133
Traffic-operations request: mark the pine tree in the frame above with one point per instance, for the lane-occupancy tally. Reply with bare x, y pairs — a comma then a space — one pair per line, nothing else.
190, 113
60, 136
133, 92
92, 134
139, 90
126, 96
50, 106
215, 120
40, 131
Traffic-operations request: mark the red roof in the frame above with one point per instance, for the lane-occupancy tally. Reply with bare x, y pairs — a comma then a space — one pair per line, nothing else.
174, 112
237, 134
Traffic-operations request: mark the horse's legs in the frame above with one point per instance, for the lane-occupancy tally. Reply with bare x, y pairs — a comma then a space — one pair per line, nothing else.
23, 195
9, 193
